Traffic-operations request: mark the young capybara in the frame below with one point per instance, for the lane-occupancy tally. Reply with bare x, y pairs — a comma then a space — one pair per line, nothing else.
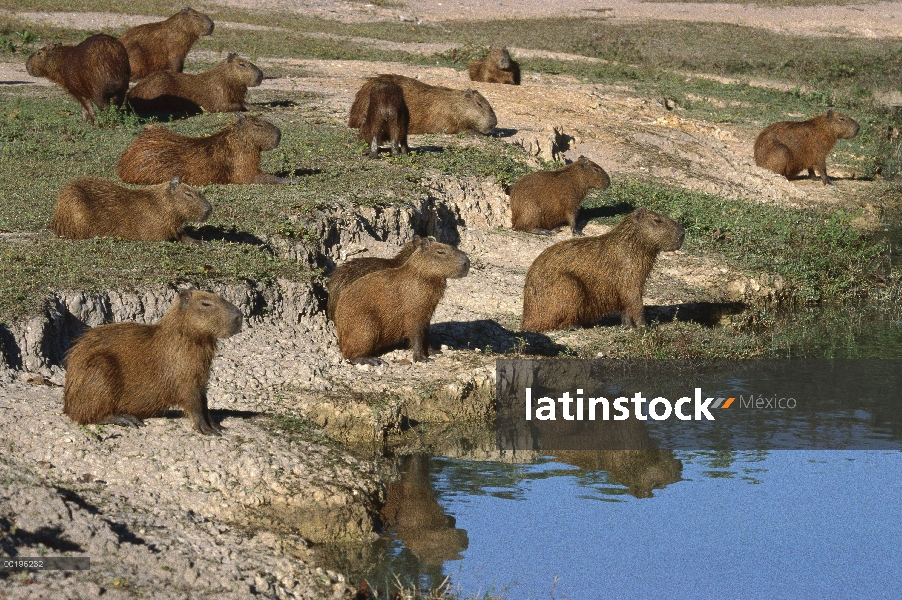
432, 109
496, 67
580, 280
387, 118
221, 89
89, 208
231, 155
352, 270
386, 307
790, 147
95, 71
543, 200
125, 372
162, 46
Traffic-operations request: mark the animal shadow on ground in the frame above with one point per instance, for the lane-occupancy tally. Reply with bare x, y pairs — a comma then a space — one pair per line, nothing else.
275, 103
218, 415
16, 83
299, 173
49, 537
164, 108
603, 212
209, 233
707, 314
503, 132
488, 335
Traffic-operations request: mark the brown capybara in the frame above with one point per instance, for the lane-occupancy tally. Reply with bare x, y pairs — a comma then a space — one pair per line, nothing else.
790, 147
432, 109
125, 372
543, 200
95, 71
221, 89
580, 280
496, 67
387, 118
90, 207
231, 155
162, 46
352, 270
386, 307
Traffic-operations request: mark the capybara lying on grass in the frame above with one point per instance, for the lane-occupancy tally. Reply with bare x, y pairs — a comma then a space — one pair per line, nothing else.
221, 89
125, 372
90, 207
790, 147
95, 71
232, 155
432, 109
580, 280
162, 46
543, 200
386, 307
352, 270
496, 67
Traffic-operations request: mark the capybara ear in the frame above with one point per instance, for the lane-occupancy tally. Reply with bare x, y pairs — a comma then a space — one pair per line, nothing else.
417, 240
186, 9
240, 118
830, 114
639, 212
583, 159
185, 296
231, 57
174, 183
468, 93
425, 243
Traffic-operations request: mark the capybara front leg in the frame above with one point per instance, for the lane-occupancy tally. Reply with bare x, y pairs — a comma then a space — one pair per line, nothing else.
209, 417
823, 169
571, 220
633, 313
87, 110
374, 147
419, 342
197, 410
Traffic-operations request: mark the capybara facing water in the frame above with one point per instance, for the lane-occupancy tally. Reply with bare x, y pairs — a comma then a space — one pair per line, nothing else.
162, 46
387, 118
543, 200
90, 207
386, 307
352, 270
433, 109
221, 89
580, 280
496, 67
231, 155
95, 71
790, 147
125, 372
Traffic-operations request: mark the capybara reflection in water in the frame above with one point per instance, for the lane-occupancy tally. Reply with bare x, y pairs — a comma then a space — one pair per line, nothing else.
790, 147
386, 307
162, 46
580, 280
95, 71
543, 200
231, 155
125, 372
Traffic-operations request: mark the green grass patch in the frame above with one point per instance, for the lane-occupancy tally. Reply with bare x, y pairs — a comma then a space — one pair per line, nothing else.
816, 252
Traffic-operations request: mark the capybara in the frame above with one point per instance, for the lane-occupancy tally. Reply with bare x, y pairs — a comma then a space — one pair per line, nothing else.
790, 147
90, 207
387, 118
386, 307
162, 46
231, 155
496, 67
125, 372
221, 89
432, 109
95, 71
580, 280
543, 200
352, 270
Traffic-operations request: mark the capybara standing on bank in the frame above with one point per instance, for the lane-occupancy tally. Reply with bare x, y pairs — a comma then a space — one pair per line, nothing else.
432, 109
221, 89
496, 67
386, 307
543, 200
125, 372
89, 208
790, 147
95, 71
386, 118
231, 155
162, 46
347, 273
580, 280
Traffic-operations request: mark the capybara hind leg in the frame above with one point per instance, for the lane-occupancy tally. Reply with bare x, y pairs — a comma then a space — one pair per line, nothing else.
374, 147
360, 340
549, 313
125, 420
87, 110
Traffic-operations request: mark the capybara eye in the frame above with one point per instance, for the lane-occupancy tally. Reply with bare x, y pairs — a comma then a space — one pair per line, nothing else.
206, 303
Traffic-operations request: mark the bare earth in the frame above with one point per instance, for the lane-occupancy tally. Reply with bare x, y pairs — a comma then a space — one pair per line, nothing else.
172, 513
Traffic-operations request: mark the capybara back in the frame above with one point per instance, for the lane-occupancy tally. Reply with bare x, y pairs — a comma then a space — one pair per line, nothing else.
162, 46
